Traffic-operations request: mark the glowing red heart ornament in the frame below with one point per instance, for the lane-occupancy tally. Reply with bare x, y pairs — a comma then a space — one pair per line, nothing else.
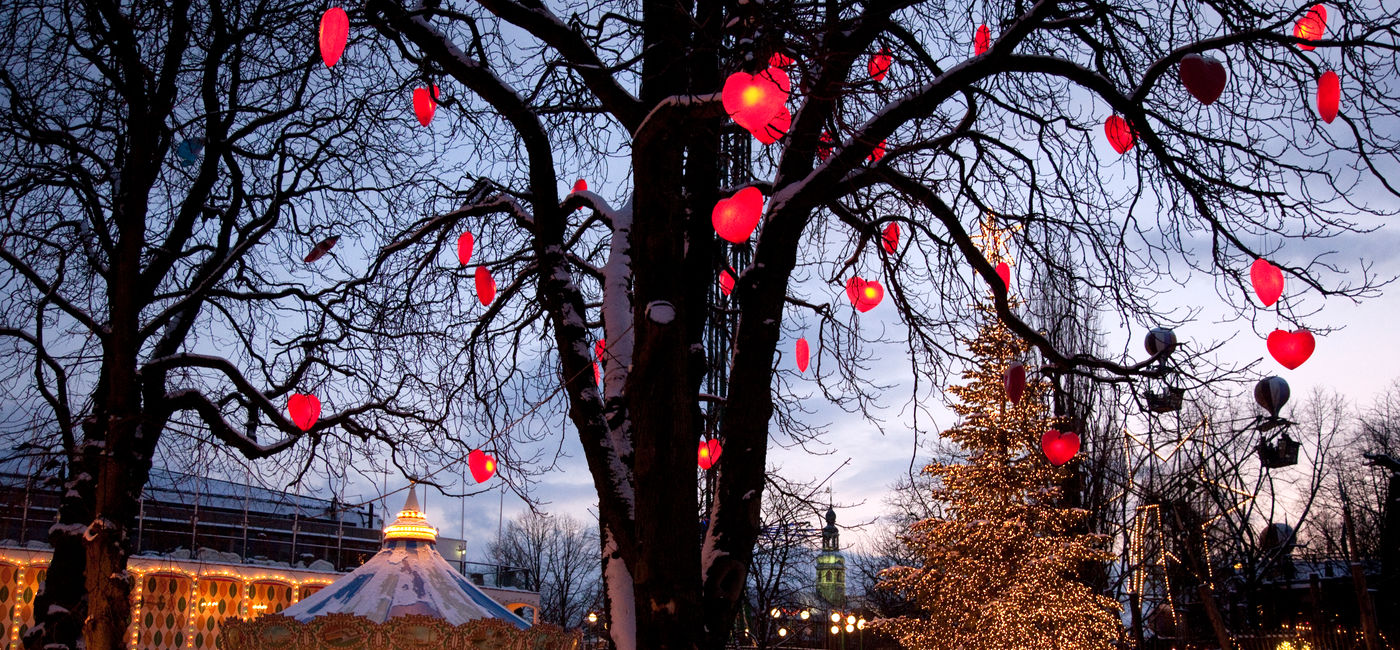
1329, 96
1267, 280
802, 355
864, 294
424, 104
890, 238
335, 30
1119, 133
321, 249
1004, 272
1059, 447
580, 185
1311, 27
485, 285
726, 281
780, 60
776, 128
824, 146
482, 465
598, 349
736, 217
982, 40
877, 153
753, 99
464, 248
304, 409
708, 454
1291, 349
880, 64
1015, 382
1203, 76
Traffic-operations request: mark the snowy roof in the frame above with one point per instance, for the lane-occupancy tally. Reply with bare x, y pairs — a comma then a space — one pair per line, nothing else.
407, 576
170, 486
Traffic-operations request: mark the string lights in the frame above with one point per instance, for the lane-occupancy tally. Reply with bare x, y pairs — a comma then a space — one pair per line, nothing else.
998, 569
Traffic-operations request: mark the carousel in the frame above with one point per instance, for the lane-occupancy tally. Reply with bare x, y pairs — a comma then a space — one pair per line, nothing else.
406, 597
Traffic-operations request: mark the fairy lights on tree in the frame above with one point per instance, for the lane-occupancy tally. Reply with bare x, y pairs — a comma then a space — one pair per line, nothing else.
998, 568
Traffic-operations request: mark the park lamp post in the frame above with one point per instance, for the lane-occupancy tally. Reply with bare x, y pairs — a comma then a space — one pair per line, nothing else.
844, 625
789, 631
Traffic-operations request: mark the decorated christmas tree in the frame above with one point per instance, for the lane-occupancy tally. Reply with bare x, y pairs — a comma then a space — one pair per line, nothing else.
999, 567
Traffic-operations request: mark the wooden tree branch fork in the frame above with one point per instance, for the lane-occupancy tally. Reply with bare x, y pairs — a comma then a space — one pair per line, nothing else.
562, 299
541, 23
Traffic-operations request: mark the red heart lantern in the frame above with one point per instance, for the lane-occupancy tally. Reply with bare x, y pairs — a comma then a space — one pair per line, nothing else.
321, 249
1059, 447
580, 185
880, 64
708, 453
753, 99
802, 355
1119, 133
1291, 349
304, 409
776, 128
982, 40
780, 60
1015, 381
726, 281
485, 285
424, 104
877, 153
824, 146
890, 238
735, 218
1267, 280
864, 294
1311, 27
482, 465
1004, 272
464, 248
1329, 96
1203, 76
335, 30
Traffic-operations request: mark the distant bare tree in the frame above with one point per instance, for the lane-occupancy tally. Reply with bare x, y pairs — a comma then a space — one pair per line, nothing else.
560, 556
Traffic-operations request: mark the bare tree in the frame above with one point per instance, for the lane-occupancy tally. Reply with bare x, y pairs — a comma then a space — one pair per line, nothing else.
560, 556
168, 170
553, 92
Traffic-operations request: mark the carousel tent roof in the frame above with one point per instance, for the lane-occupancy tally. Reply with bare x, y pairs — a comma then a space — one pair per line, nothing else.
407, 576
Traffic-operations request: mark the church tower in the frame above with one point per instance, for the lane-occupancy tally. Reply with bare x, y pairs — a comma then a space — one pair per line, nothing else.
831, 566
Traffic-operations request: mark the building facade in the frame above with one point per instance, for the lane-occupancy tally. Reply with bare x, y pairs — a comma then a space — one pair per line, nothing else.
831, 565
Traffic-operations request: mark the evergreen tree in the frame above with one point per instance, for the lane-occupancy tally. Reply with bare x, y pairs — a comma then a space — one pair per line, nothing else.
999, 567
